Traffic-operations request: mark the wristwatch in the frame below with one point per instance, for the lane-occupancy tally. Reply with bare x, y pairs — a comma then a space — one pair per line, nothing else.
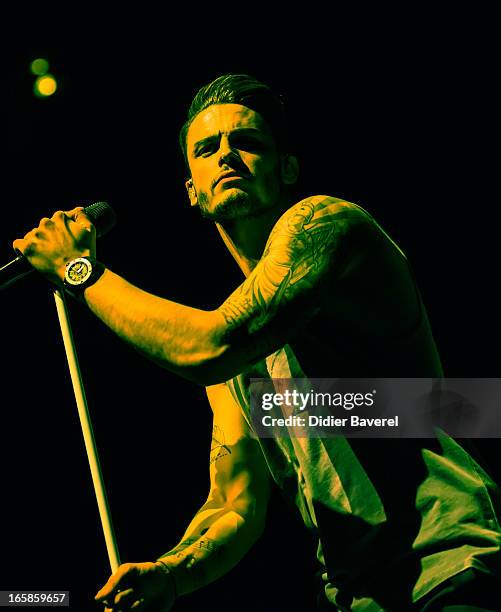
81, 273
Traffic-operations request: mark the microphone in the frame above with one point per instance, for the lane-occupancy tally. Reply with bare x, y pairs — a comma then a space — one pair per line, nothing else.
102, 216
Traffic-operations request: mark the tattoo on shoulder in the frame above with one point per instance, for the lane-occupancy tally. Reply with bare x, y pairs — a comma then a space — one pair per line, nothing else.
298, 251
218, 447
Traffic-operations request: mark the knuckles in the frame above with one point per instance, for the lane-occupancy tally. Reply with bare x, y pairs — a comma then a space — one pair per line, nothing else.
46, 222
40, 232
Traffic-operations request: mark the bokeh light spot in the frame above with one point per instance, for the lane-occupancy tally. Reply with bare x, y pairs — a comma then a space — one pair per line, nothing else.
45, 86
40, 66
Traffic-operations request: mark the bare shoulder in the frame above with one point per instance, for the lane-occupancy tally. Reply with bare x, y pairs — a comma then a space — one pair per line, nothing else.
308, 250
324, 206
316, 216
314, 231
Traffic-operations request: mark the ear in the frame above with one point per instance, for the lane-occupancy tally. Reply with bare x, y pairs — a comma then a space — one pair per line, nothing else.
289, 169
192, 194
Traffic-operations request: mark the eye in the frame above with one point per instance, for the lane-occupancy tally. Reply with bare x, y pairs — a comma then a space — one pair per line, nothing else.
206, 151
247, 143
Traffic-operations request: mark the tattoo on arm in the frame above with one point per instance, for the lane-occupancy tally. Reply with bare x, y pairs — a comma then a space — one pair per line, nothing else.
298, 251
181, 546
195, 543
218, 447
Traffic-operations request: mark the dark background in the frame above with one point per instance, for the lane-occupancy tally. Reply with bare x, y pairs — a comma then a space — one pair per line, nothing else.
399, 126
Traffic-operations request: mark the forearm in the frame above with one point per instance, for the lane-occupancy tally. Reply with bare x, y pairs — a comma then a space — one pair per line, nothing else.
284, 288
213, 544
180, 338
207, 347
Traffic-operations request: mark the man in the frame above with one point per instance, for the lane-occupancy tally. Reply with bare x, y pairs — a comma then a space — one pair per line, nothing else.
327, 294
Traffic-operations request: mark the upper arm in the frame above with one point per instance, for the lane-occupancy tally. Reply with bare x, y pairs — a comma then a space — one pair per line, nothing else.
305, 253
239, 475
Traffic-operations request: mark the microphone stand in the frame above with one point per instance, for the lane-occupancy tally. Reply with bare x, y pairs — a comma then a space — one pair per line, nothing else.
85, 423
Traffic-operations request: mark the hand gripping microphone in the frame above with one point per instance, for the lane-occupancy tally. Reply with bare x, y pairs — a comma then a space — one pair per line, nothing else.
102, 217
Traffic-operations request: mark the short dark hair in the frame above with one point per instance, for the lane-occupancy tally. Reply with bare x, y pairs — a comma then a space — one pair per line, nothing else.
239, 89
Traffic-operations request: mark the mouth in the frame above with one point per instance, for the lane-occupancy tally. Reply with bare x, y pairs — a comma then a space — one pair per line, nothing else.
227, 177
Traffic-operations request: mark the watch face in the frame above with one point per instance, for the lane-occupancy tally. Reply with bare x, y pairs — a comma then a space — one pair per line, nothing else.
78, 271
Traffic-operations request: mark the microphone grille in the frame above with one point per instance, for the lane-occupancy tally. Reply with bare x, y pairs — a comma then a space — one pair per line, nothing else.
103, 217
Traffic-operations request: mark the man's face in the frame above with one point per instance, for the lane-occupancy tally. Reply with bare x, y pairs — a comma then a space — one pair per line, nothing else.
234, 162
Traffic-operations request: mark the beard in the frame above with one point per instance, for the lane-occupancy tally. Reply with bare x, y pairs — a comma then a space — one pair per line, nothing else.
236, 204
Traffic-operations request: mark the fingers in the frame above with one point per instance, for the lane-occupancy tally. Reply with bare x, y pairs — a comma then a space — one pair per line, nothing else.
127, 600
84, 221
137, 586
138, 606
78, 215
114, 582
57, 240
72, 214
24, 245
77, 223
20, 245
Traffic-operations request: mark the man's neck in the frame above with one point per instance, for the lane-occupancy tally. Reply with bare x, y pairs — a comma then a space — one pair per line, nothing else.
246, 238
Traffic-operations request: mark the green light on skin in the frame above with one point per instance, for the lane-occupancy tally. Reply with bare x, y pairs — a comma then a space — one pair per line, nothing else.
40, 66
45, 86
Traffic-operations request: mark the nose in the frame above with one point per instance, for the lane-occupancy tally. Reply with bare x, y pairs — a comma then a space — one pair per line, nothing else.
226, 152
